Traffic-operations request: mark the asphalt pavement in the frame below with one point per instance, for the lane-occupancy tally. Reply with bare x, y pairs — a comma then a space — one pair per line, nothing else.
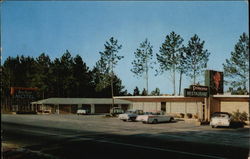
97, 137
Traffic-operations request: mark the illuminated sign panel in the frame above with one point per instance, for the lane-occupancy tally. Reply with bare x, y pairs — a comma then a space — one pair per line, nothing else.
190, 93
214, 81
196, 91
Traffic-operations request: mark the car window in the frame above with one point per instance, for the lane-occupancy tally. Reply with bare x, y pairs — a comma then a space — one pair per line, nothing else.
129, 112
220, 115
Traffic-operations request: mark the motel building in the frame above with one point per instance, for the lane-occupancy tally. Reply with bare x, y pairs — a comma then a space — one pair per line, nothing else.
198, 101
200, 108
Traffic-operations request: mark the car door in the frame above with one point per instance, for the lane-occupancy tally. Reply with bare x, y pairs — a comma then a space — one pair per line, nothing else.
160, 118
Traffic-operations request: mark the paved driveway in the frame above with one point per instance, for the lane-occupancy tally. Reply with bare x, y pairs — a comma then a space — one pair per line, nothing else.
176, 131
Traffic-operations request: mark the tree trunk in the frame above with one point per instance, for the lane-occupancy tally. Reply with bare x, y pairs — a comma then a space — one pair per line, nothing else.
112, 92
180, 83
194, 77
174, 79
147, 81
112, 87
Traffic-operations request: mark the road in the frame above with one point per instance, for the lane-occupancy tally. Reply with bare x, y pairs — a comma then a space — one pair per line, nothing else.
100, 137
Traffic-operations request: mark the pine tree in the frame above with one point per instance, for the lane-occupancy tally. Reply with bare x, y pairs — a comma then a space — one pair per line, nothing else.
82, 78
156, 92
196, 57
41, 78
142, 62
108, 61
136, 91
169, 55
181, 66
144, 92
236, 69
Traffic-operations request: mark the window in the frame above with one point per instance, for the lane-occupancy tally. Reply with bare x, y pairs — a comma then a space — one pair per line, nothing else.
163, 106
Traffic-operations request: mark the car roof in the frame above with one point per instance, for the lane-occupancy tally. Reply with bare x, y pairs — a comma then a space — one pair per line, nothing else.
222, 113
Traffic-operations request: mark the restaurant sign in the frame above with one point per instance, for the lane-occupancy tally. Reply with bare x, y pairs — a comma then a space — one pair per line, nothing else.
196, 91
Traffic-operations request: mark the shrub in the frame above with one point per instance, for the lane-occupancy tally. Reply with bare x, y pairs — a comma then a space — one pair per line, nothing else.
181, 115
189, 115
238, 116
195, 116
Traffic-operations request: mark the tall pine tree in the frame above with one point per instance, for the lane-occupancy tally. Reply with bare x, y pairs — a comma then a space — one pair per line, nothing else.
169, 55
108, 61
196, 57
236, 69
143, 60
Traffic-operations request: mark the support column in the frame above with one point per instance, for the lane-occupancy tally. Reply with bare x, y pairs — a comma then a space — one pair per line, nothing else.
79, 106
170, 106
207, 108
185, 107
92, 108
58, 109
42, 108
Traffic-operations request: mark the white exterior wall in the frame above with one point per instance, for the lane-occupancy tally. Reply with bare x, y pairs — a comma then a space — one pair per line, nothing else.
177, 107
147, 106
230, 107
171, 107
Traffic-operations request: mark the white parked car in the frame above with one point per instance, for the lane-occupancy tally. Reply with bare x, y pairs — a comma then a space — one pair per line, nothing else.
130, 115
153, 119
220, 119
141, 117
81, 112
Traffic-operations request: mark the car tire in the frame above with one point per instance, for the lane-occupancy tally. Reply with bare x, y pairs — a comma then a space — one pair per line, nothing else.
171, 119
213, 126
131, 119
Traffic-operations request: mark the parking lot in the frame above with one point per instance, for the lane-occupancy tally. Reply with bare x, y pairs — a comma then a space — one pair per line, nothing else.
179, 130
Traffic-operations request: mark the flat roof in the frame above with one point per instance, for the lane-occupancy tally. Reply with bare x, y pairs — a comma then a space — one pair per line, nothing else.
72, 101
134, 97
222, 97
150, 97
230, 96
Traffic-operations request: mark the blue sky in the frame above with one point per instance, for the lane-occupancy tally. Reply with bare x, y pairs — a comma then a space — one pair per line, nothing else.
82, 27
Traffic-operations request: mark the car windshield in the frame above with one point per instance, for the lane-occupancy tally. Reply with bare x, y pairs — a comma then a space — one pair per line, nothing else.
152, 113
222, 115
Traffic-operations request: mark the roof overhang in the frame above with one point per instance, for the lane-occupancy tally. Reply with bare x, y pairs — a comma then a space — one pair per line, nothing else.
76, 101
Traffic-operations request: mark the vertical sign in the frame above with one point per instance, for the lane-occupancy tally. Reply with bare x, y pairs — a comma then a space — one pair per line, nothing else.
214, 81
